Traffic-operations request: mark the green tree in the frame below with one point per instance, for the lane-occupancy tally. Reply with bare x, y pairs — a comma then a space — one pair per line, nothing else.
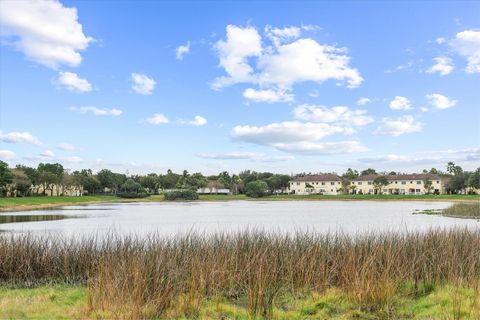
380, 182
22, 182
473, 181
86, 180
256, 189
350, 174
49, 175
368, 172
428, 185
6, 177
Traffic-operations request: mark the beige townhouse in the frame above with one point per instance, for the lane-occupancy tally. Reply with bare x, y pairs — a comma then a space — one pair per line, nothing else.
316, 184
407, 184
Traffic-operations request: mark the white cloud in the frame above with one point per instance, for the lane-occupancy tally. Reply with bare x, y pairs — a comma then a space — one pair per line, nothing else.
424, 109
363, 101
157, 119
339, 114
7, 154
239, 155
443, 65
298, 137
398, 126
19, 137
45, 31
314, 94
440, 101
400, 103
307, 60
467, 44
317, 148
287, 62
182, 51
142, 84
440, 40
66, 147
97, 111
268, 95
197, 121
241, 43
279, 36
47, 154
73, 82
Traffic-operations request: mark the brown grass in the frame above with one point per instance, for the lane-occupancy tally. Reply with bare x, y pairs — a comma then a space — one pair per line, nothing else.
146, 277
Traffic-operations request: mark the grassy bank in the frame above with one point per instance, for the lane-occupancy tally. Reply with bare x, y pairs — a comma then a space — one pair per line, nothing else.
34, 203
463, 210
69, 302
254, 275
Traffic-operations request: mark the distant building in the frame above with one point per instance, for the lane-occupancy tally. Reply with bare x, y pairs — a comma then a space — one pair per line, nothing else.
316, 184
405, 184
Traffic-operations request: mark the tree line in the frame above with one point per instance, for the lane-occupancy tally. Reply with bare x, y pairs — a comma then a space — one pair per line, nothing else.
54, 180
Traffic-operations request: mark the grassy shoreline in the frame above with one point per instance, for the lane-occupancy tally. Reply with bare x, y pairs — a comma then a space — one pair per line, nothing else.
71, 302
40, 203
246, 275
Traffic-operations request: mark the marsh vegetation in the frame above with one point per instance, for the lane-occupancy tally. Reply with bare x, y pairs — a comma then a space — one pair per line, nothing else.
155, 277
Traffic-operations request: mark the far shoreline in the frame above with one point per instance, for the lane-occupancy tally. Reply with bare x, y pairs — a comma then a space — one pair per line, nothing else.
46, 203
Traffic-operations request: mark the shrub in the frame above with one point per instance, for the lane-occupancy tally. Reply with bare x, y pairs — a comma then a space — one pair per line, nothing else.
256, 189
181, 194
131, 189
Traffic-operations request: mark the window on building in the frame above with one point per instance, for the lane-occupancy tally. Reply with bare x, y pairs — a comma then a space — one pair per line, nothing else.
417, 190
332, 183
323, 183
404, 182
419, 182
298, 183
370, 182
438, 181
360, 183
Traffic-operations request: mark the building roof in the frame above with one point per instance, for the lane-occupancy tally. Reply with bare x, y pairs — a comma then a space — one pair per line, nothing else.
318, 177
397, 177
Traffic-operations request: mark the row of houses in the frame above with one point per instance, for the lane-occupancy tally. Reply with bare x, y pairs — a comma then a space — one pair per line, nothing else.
405, 184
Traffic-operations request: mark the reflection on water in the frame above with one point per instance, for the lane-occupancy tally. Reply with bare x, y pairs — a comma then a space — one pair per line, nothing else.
173, 218
33, 218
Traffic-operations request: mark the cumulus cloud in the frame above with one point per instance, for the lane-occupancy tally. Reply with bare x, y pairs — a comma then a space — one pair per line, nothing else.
240, 44
45, 31
71, 81
19, 137
339, 114
282, 35
238, 155
290, 60
399, 126
66, 147
440, 101
268, 95
157, 119
440, 40
182, 50
97, 111
7, 154
298, 137
74, 159
467, 44
142, 84
400, 103
363, 101
197, 121
443, 65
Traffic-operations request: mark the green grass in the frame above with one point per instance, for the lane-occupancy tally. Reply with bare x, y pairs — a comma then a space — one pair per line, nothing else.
32, 203
64, 302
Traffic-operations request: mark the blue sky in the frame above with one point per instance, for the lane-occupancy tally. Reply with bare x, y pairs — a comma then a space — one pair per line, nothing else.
210, 86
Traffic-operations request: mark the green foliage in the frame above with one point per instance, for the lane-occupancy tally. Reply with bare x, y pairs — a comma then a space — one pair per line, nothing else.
6, 177
380, 182
256, 189
350, 174
132, 189
87, 180
368, 171
185, 194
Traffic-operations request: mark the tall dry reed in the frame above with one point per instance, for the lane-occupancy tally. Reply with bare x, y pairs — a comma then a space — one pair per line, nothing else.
151, 276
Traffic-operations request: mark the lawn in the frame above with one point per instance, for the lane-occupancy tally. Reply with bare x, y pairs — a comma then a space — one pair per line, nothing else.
71, 302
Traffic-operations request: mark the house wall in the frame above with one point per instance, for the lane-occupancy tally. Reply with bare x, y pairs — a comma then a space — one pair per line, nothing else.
323, 187
397, 187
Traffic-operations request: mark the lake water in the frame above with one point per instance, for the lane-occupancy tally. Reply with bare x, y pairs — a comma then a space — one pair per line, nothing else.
352, 217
